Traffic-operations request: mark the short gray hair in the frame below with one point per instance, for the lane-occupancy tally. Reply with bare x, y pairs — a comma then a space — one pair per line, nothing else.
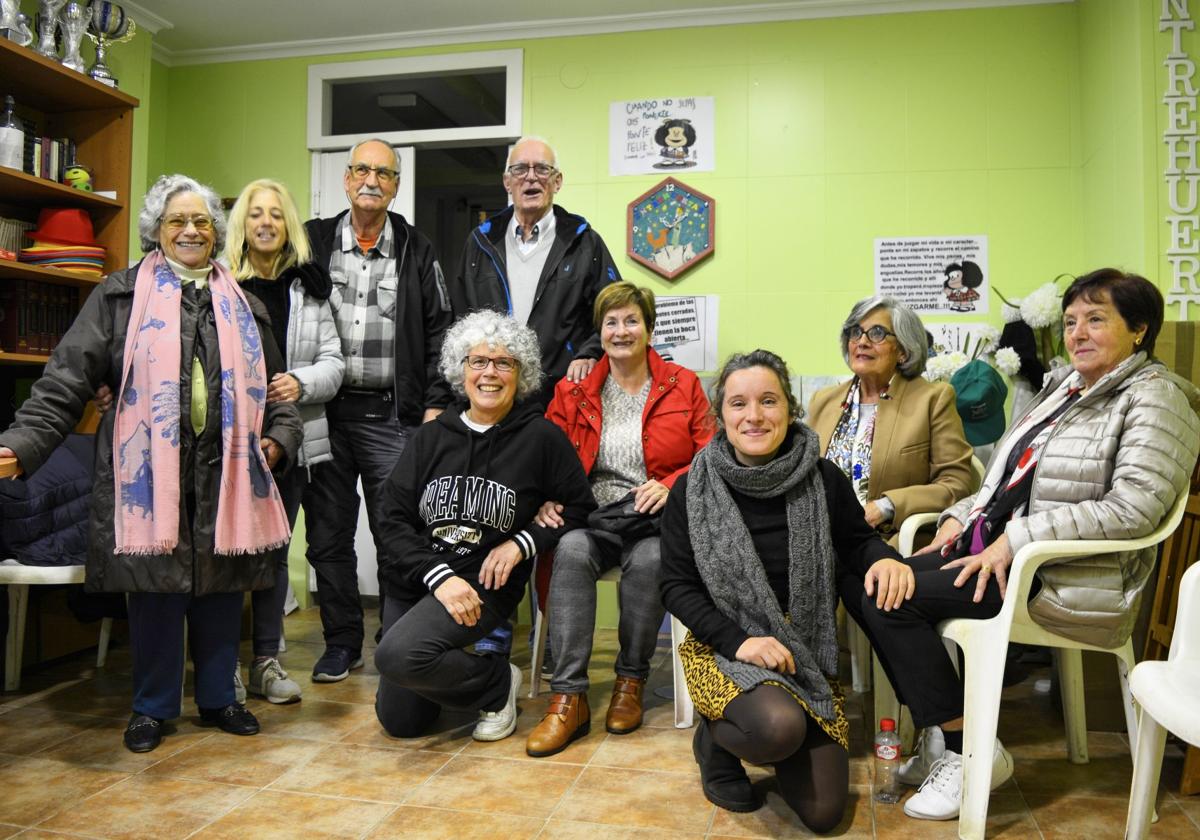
382, 142
496, 331
906, 324
532, 138
160, 195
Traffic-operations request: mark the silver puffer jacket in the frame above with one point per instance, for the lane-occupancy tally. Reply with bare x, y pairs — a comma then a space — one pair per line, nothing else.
314, 357
1113, 466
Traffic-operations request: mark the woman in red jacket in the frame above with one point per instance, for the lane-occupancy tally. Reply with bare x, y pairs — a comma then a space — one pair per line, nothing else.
635, 421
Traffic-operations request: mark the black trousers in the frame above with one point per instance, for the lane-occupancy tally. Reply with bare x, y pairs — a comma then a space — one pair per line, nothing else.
906, 638
423, 665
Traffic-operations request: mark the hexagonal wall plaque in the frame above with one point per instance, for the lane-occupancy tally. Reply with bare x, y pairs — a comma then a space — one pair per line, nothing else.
671, 228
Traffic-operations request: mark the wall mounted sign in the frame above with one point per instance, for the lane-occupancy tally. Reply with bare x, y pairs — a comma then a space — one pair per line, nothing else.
656, 135
671, 228
943, 275
1183, 242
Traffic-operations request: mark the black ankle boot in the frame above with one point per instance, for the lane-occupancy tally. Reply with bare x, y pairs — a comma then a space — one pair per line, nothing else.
722, 776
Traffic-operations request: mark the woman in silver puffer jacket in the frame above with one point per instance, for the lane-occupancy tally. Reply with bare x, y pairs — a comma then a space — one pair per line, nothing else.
1103, 452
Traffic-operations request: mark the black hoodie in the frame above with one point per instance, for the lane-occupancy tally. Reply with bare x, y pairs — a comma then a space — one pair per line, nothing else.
456, 494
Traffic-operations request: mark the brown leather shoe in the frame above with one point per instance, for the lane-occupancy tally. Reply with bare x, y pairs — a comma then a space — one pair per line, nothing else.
625, 707
567, 718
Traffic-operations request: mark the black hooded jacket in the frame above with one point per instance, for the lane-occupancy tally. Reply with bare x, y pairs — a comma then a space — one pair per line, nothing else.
456, 494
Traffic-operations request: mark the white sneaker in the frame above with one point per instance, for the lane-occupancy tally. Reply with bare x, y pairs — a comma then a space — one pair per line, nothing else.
269, 680
495, 726
930, 746
940, 795
239, 687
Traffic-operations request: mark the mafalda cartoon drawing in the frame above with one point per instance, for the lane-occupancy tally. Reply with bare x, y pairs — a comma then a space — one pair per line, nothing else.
962, 279
675, 139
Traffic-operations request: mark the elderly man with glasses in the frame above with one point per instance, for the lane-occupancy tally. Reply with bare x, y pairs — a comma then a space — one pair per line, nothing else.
540, 264
392, 309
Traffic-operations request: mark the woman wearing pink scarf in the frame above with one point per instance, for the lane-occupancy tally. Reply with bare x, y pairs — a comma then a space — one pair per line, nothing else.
184, 507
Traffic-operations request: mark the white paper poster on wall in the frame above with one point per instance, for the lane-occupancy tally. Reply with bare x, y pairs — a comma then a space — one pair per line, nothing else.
669, 135
686, 329
937, 275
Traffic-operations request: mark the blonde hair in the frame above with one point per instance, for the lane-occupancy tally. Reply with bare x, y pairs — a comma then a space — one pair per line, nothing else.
621, 294
296, 250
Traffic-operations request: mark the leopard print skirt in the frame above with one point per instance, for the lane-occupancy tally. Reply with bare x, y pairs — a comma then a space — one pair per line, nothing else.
712, 691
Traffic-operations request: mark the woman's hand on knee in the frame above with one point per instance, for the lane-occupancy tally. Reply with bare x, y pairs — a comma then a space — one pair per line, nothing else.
499, 563
890, 582
460, 600
992, 562
549, 515
651, 497
948, 533
766, 652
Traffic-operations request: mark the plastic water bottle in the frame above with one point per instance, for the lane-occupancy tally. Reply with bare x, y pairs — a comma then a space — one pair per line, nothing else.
887, 763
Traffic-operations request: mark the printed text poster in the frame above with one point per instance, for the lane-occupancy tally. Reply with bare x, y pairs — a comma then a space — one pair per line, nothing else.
686, 329
942, 275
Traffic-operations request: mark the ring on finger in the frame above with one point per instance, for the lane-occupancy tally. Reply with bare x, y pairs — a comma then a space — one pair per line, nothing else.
985, 569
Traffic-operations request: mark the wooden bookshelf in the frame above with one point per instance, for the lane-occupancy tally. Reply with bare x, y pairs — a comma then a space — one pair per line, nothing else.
99, 119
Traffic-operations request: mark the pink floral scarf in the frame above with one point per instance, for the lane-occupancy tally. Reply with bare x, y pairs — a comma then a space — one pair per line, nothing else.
250, 515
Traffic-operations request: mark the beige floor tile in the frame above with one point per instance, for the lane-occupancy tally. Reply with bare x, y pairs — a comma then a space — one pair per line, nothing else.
357, 688
776, 819
32, 789
277, 815
28, 730
558, 829
451, 739
495, 785
107, 695
7, 831
149, 807
1190, 805
102, 746
1008, 818
638, 798
250, 761
661, 749
1096, 818
1099, 777
363, 773
417, 823
313, 719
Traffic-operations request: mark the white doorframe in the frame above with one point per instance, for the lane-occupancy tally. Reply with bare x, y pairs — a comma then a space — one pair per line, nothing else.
329, 193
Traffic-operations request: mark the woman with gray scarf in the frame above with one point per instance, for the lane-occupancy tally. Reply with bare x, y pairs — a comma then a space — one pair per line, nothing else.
752, 541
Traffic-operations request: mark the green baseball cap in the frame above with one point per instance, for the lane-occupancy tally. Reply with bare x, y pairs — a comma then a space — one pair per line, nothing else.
980, 392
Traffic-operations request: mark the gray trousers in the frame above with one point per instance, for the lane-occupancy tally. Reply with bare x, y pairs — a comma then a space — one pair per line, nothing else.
580, 559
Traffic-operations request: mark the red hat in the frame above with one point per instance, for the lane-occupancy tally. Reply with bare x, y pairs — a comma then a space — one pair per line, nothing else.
64, 226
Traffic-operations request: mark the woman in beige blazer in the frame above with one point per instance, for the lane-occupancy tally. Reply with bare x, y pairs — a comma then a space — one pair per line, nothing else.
895, 435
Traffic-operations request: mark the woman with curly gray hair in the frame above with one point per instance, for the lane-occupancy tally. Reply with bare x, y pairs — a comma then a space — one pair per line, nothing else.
185, 512
458, 523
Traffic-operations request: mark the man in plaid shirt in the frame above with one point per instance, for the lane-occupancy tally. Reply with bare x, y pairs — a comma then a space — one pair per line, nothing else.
391, 306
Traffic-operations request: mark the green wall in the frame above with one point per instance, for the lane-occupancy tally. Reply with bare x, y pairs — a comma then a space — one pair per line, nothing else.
1036, 125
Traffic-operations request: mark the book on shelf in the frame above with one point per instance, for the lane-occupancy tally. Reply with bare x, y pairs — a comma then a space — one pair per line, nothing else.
35, 316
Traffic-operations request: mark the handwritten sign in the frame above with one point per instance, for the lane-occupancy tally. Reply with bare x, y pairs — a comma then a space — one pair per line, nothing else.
672, 134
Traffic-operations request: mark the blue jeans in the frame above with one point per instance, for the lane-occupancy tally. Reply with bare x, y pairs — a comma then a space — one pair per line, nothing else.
369, 450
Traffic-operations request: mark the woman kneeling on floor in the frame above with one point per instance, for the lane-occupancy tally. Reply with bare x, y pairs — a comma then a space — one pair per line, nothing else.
458, 525
752, 540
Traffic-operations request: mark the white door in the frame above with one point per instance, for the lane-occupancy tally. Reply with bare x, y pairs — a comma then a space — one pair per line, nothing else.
329, 191
329, 199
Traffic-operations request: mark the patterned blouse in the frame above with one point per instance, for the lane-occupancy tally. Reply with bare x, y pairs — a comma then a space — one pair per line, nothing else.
621, 463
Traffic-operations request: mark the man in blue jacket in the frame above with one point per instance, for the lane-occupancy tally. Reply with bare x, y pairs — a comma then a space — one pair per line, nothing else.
391, 308
540, 264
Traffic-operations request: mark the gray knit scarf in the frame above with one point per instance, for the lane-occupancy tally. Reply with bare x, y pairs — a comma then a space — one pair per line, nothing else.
734, 574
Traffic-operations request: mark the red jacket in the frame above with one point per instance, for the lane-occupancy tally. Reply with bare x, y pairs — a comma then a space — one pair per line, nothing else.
675, 421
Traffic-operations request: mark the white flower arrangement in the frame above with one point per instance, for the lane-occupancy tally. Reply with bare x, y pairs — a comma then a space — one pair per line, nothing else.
1042, 307
1007, 361
944, 365
1041, 312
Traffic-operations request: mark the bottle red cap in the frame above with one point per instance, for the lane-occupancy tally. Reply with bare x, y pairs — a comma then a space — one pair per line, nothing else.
887, 725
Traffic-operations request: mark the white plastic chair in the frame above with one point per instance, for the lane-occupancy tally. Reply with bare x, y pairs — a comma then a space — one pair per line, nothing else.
1168, 694
984, 642
684, 711
19, 578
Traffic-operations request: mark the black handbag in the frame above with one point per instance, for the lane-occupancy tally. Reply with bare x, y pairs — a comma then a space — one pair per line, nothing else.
621, 520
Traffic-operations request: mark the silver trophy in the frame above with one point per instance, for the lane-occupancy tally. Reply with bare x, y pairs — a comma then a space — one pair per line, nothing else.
108, 25
10, 10
74, 24
23, 35
47, 23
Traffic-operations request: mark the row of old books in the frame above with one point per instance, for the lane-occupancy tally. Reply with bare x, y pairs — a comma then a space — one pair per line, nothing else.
34, 316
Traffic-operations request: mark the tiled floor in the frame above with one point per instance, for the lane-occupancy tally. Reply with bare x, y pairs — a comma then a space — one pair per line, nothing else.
323, 768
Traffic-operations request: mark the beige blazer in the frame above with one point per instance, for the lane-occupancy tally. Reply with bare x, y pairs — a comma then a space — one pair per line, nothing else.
920, 458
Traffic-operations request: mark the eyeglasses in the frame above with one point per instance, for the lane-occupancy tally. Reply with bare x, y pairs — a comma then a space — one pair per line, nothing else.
875, 334
178, 223
360, 171
504, 364
541, 170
